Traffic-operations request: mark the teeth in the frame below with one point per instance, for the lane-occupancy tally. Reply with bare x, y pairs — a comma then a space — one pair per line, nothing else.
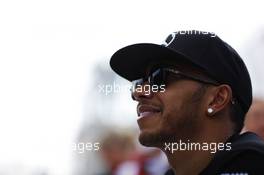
143, 114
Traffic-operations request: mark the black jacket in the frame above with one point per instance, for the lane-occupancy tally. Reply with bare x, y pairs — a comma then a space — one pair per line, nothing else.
245, 158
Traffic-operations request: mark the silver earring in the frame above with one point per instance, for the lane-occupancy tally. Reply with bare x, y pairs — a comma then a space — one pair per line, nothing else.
210, 110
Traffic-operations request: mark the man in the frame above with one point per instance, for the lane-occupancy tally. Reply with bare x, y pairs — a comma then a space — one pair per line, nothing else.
193, 92
254, 121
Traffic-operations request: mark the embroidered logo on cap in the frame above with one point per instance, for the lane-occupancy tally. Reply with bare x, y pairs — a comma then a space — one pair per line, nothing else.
169, 39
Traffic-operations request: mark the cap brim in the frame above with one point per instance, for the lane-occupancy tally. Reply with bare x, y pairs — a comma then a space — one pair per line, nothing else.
131, 61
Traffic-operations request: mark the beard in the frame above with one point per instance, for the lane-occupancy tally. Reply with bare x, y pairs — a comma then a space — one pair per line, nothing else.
182, 124
183, 129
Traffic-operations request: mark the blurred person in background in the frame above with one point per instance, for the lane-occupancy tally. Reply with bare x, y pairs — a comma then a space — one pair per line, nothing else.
117, 150
254, 121
123, 157
154, 161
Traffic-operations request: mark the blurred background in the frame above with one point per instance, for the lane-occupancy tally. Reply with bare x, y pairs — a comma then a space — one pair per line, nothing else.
55, 115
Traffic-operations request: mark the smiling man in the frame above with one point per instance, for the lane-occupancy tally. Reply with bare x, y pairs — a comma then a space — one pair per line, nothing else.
193, 92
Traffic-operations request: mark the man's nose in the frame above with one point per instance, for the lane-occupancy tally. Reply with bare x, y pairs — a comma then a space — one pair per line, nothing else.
142, 91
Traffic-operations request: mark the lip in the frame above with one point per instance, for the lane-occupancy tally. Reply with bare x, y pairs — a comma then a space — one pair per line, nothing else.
145, 110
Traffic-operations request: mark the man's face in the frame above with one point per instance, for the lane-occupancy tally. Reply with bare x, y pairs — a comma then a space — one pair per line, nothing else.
172, 115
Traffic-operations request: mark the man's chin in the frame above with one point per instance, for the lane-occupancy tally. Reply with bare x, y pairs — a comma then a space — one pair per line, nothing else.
149, 139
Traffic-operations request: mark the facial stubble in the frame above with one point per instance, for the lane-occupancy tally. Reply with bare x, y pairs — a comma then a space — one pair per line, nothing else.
177, 127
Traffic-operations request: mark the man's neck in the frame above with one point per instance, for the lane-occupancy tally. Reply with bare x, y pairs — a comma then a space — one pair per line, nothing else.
189, 162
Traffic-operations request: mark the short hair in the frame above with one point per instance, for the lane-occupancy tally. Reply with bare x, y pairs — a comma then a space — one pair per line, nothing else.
237, 117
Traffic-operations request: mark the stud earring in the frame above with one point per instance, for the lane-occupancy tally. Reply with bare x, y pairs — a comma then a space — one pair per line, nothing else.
210, 110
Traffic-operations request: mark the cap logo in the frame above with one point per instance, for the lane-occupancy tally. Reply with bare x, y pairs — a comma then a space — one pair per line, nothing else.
169, 39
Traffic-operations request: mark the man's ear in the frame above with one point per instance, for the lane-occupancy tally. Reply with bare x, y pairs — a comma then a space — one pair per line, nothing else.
220, 97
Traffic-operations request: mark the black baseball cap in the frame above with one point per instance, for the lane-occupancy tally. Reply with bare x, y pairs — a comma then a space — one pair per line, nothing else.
202, 49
